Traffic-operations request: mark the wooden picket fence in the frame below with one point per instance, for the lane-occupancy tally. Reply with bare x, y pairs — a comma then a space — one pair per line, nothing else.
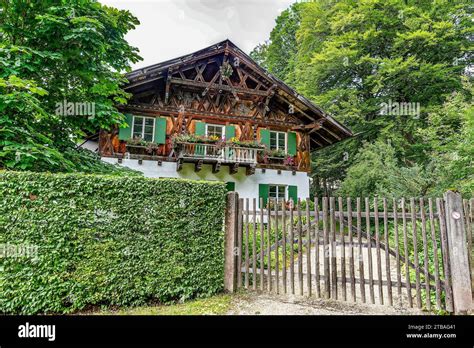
389, 252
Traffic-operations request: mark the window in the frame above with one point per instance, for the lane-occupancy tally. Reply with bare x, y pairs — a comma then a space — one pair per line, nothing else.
215, 130
278, 141
143, 127
277, 192
230, 186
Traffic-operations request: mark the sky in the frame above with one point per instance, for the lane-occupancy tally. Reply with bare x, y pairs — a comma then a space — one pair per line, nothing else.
172, 28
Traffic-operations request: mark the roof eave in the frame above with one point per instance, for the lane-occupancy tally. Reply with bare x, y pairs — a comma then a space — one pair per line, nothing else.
229, 45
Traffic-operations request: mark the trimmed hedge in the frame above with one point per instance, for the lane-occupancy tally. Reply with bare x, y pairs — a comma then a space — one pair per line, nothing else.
103, 240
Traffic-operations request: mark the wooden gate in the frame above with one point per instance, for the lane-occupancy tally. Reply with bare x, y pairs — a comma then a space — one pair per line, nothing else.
389, 252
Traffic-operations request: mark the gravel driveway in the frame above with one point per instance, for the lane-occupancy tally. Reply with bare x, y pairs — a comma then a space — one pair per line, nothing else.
252, 303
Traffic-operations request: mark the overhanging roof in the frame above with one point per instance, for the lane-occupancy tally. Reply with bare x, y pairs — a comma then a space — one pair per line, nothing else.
332, 129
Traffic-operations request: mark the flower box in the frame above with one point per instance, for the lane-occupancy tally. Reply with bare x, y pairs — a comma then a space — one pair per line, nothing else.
148, 149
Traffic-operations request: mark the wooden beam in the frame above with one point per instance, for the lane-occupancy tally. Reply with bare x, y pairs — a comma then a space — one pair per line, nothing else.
173, 111
312, 126
144, 94
199, 70
271, 93
255, 69
212, 82
234, 93
332, 133
185, 67
242, 76
317, 142
168, 84
142, 82
458, 253
156, 99
186, 62
215, 86
179, 164
231, 243
198, 166
216, 167
323, 138
250, 170
234, 168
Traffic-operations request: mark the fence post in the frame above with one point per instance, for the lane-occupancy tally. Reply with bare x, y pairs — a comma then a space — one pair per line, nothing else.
231, 242
458, 253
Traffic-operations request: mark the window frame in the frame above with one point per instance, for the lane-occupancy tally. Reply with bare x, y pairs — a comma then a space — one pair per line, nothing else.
143, 127
278, 186
215, 125
278, 135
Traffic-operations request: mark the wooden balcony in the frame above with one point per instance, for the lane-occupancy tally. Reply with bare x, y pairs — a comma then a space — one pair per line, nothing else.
215, 154
199, 153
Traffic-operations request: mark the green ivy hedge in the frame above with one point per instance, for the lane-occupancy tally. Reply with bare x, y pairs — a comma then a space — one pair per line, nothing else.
103, 240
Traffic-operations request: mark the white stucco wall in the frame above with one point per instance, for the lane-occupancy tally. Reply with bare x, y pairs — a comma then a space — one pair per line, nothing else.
91, 145
245, 185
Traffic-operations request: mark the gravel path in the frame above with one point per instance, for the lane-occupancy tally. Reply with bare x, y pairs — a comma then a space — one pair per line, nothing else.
255, 303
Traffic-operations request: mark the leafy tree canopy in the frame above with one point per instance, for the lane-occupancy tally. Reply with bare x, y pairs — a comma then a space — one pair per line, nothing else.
52, 52
363, 61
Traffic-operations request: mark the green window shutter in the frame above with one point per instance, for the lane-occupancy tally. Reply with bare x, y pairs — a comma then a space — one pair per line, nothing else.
160, 130
230, 186
126, 133
265, 137
293, 193
291, 143
200, 128
263, 193
229, 132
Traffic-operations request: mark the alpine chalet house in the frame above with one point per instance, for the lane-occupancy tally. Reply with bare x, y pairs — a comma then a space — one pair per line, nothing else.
216, 115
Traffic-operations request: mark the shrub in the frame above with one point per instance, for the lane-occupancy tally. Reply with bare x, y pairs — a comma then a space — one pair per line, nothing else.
106, 240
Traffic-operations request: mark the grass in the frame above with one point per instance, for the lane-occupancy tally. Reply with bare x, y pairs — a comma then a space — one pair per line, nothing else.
218, 304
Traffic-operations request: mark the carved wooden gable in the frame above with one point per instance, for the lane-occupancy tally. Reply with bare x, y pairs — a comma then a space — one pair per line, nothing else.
221, 83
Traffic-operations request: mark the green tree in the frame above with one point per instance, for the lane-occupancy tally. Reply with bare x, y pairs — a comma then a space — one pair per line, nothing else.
451, 137
279, 56
55, 51
377, 170
350, 57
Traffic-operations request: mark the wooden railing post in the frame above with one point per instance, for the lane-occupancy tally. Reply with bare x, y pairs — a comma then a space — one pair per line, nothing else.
231, 242
458, 253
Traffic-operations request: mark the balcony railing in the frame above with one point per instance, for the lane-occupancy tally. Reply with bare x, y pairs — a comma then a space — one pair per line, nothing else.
223, 154
241, 154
